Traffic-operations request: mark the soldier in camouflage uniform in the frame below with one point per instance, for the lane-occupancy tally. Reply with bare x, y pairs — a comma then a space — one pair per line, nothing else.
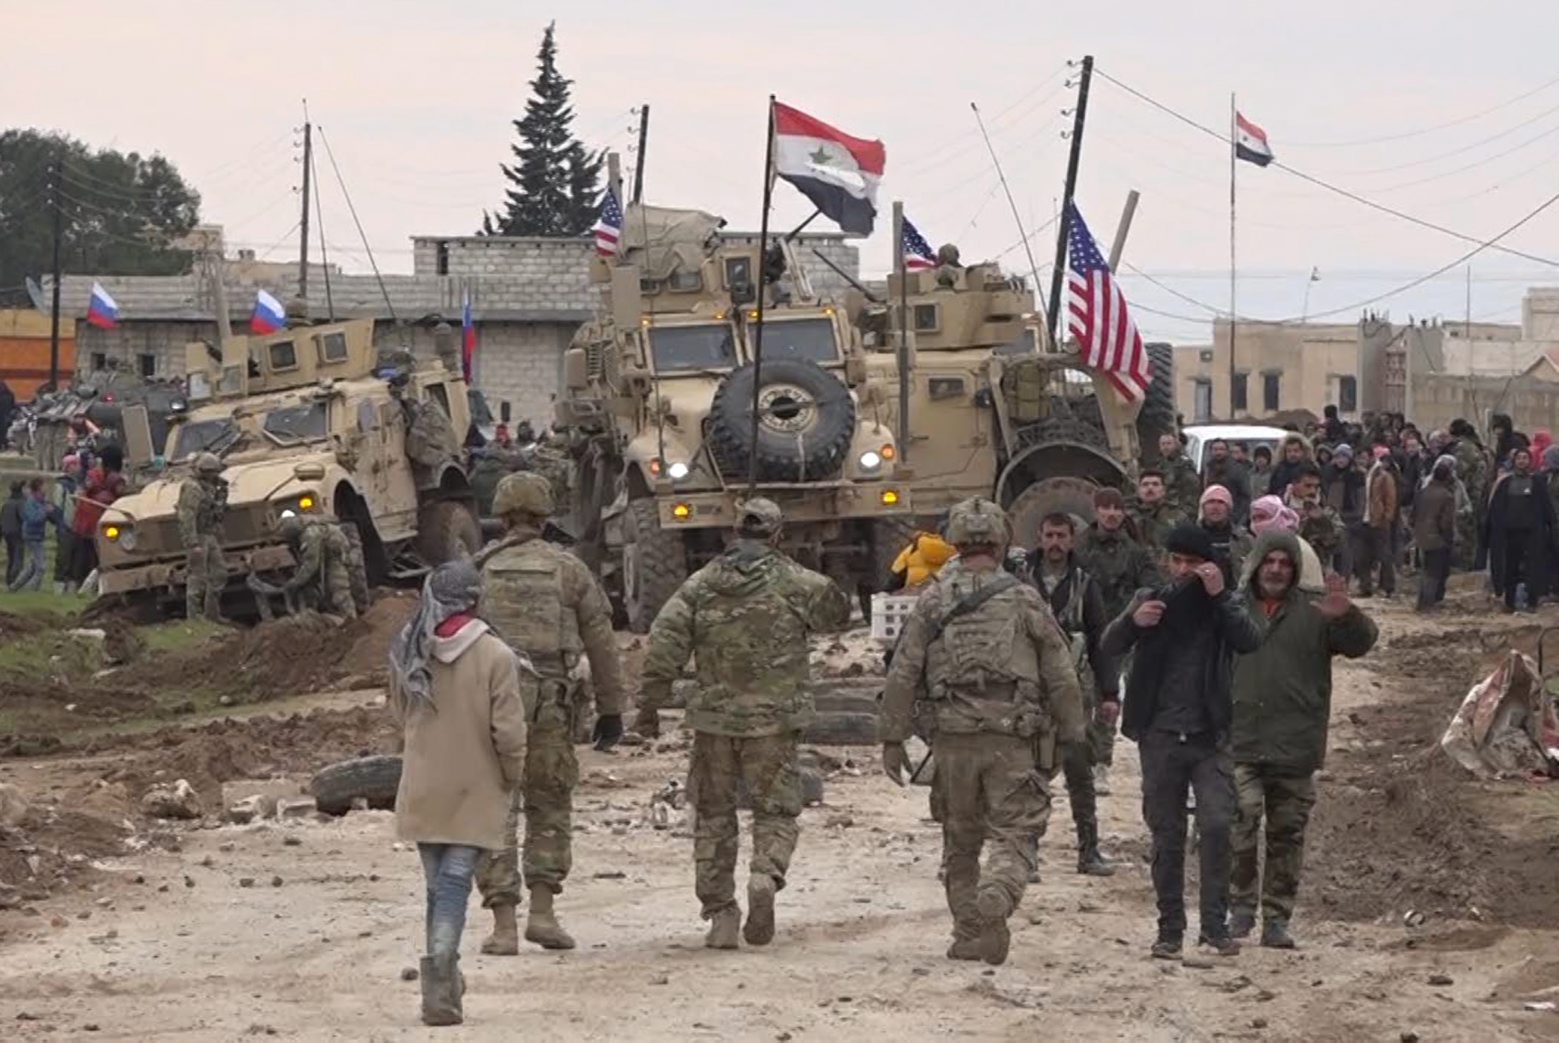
1120, 566
323, 578
1182, 485
746, 617
1152, 513
545, 604
1319, 525
983, 648
1473, 468
202, 502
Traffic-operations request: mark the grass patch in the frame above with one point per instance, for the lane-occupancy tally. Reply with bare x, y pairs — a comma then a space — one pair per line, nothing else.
41, 603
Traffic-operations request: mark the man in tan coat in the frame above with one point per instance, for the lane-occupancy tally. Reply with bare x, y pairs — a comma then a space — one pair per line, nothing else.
1376, 537
460, 695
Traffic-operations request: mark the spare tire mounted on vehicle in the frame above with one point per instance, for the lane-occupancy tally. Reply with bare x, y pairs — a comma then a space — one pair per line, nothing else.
806, 420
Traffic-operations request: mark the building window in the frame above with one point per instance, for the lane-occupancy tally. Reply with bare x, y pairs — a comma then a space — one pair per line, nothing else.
148, 364
1202, 403
1241, 392
442, 259
1271, 384
99, 361
1347, 394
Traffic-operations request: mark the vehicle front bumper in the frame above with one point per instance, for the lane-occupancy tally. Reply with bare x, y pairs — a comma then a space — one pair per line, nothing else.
801, 503
159, 575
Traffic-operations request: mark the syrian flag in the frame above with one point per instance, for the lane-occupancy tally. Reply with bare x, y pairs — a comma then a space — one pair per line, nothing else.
102, 310
1250, 142
269, 316
837, 172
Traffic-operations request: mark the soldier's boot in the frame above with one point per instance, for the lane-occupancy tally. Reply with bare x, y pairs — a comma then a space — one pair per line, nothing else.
1090, 862
442, 986
1241, 923
966, 942
724, 928
505, 939
995, 938
759, 929
541, 927
1274, 935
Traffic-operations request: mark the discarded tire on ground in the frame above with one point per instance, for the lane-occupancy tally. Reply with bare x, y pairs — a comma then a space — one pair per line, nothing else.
374, 779
842, 729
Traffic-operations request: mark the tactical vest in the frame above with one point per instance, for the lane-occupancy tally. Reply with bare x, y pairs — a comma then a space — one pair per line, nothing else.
522, 599
982, 671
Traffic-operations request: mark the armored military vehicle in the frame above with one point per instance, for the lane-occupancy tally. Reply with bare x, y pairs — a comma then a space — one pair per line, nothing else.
995, 408
308, 420
97, 401
659, 401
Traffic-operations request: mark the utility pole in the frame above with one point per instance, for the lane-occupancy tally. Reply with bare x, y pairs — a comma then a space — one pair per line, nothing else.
638, 158
1058, 273
218, 290
614, 175
303, 238
1123, 229
54, 309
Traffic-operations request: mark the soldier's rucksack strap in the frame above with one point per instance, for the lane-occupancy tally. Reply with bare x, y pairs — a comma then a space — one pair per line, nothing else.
971, 601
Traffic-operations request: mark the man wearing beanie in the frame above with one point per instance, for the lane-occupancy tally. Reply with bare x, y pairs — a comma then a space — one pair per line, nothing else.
1230, 541
1120, 565
1183, 637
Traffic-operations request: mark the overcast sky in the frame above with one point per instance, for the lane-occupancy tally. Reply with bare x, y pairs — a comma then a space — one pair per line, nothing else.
1418, 106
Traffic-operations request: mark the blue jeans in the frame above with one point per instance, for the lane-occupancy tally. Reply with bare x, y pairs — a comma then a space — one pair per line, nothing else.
448, 869
30, 575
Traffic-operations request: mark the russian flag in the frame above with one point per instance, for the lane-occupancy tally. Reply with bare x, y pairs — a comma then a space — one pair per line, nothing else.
467, 339
269, 316
103, 310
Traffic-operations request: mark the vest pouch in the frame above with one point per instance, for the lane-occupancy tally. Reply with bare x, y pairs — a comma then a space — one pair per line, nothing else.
979, 649
523, 601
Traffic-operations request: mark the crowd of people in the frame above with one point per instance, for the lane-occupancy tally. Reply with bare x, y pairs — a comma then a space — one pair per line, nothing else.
68, 508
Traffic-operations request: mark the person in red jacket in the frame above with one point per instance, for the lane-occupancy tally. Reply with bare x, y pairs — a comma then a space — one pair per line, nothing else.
104, 484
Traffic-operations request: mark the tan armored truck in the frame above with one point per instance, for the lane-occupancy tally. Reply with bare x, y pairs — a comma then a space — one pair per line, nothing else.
659, 402
995, 409
306, 420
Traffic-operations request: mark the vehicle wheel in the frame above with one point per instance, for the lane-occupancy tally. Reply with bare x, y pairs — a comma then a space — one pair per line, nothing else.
842, 729
1046, 496
374, 779
446, 530
1066, 429
805, 425
654, 564
1158, 412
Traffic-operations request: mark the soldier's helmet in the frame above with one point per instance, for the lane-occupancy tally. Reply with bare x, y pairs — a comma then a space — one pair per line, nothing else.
947, 254
524, 492
290, 528
759, 517
208, 464
977, 522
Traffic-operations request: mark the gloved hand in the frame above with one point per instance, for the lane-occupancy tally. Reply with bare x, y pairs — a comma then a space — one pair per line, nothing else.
608, 731
895, 762
647, 723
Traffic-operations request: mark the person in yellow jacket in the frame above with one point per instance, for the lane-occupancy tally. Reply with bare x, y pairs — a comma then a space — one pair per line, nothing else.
920, 561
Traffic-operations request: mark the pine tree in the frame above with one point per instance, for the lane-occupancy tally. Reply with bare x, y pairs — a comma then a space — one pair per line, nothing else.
556, 181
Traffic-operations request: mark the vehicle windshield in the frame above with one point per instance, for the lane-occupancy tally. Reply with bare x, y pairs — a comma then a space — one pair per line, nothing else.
295, 424
811, 339
198, 436
691, 348
1024, 344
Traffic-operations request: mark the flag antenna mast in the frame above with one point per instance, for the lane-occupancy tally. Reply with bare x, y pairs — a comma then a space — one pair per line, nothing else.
1033, 268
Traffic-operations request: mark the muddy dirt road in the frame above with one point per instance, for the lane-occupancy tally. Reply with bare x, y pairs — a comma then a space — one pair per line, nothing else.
302, 929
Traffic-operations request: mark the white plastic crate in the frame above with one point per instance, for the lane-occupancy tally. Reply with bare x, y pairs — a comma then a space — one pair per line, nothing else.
889, 611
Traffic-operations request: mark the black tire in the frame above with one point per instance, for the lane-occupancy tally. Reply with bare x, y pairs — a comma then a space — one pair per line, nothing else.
1068, 429
805, 427
1063, 493
858, 695
842, 729
446, 530
654, 564
1157, 416
374, 779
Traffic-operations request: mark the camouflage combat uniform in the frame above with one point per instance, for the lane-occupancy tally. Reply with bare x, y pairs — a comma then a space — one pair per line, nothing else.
746, 616
202, 502
323, 578
1472, 467
1000, 678
1120, 566
544, 603
1182, 485
1153, 522
1322, 529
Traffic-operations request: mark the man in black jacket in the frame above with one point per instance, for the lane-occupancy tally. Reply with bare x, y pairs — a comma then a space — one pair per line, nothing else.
1178, 710
1078, 606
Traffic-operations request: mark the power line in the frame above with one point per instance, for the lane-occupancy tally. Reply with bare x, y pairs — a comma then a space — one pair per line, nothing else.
331, 155
1457, 151
1403, 136
1171, 290
1324, 184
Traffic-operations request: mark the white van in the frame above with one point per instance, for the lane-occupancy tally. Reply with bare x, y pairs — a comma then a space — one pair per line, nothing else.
1199, 435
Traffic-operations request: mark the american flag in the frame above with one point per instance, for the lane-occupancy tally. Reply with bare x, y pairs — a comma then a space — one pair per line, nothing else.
917, 252
1100, 320
609, 226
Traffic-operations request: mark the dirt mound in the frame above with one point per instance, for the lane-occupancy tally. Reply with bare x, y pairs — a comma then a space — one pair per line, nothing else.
13, 626
253, 748
48, 853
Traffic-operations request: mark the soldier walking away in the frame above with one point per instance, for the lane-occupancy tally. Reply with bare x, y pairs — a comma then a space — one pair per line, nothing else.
323, 579
987, 653
1282, 701
202, 503
1182, 485
545, 604
1078, 606
746, 618
1120, 566
459, 694
1178, 709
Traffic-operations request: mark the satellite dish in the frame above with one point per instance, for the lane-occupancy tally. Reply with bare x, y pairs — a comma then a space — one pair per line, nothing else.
36, 293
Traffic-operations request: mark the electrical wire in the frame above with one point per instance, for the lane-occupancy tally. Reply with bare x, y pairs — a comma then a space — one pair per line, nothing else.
331, 155
1403, 136
1372, 204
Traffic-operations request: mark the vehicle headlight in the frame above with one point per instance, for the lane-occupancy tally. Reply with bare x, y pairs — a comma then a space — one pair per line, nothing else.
288, 512
111, 533
305, 502
677, 471
870, 460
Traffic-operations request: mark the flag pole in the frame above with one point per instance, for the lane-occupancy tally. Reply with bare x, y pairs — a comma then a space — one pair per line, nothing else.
1233, 321
757, 333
